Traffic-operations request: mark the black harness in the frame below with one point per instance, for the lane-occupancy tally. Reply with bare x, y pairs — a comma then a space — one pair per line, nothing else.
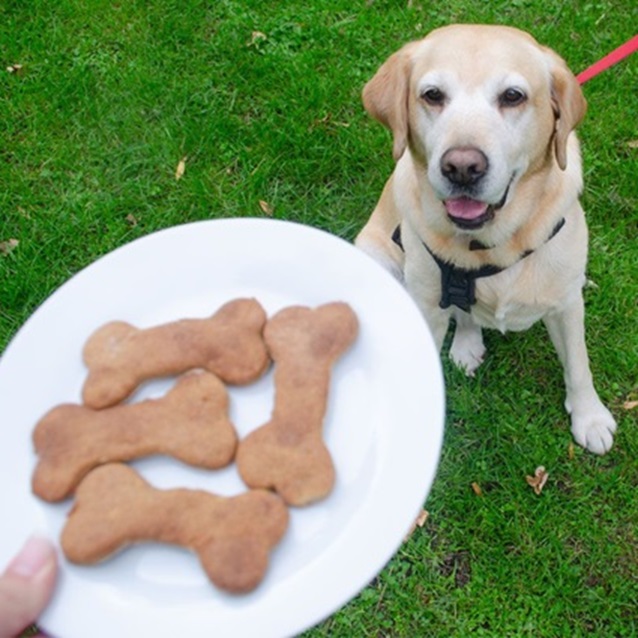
458, 285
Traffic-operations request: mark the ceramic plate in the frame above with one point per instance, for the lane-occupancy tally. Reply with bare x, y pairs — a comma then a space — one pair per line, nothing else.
383, 427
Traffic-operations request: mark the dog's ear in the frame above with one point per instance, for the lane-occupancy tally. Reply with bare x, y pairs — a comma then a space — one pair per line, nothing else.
385, 97
568, 103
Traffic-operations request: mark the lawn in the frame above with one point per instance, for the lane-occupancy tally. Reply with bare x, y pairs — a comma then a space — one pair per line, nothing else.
258, 104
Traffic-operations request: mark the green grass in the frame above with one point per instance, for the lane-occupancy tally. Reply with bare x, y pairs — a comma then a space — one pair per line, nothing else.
263, 99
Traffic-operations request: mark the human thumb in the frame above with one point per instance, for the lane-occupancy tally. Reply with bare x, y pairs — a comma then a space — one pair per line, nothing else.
26, 586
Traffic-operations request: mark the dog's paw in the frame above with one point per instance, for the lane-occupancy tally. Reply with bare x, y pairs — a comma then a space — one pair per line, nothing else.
467, 350
595, 430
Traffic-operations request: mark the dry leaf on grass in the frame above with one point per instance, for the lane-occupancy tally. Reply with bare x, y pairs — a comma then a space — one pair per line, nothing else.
630, 405
14, 68
476, 488
537, 482
327, 120
419, 522
633, 144
590, 283
266, 208
256, 37
570, 451
7, 246
131, 219
181, 167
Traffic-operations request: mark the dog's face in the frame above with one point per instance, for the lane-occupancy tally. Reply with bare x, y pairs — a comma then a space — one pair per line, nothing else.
481, 108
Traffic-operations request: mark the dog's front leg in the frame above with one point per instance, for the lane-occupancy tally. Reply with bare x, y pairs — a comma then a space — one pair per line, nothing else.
438, 323
422, 279
467, 349
425, 293
593, 425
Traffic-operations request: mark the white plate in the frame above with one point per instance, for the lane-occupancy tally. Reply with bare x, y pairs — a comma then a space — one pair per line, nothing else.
384, 428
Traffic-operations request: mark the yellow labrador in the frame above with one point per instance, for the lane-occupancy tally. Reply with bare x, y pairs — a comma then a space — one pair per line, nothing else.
481, 216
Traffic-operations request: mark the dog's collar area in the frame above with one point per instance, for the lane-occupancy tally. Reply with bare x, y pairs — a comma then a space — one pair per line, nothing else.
475, 244
458, 285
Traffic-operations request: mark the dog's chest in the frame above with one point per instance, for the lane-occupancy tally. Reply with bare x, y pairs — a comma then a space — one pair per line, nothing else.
506, 303
507, 317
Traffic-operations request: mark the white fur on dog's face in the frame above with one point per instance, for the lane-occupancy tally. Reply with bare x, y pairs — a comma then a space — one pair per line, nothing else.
474, 119
487, 105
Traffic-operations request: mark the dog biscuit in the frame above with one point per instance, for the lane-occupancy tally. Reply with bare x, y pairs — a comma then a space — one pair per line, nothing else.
288, 454
190, 423
232, 536
119, 356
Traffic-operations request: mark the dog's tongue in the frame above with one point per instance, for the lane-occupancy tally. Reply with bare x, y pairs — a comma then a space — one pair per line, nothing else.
465, 208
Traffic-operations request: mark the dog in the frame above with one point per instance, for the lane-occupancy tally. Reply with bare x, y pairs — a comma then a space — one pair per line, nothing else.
481, 217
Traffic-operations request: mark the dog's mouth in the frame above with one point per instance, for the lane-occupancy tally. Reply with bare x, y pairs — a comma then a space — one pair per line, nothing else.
471, 214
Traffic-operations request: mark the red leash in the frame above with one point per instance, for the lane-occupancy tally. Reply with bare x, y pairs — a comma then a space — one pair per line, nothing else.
609, 60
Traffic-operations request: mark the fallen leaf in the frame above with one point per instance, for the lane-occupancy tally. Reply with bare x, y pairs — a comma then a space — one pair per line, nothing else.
537, 482
633, 144
256, 38
590, 283
327, 120
181, 167
266, 208
131, 219
422, 518
7, 246
476, 488
14, 68
630, 405
419, 522
570, 451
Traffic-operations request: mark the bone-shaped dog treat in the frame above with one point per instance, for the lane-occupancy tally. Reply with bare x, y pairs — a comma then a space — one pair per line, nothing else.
233, 536
190, 423
288, 453
120, 357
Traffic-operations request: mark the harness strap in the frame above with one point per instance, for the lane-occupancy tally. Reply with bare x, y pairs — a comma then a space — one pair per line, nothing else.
458, 285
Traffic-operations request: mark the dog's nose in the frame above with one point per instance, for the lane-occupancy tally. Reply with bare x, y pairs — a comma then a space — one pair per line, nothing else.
464, 166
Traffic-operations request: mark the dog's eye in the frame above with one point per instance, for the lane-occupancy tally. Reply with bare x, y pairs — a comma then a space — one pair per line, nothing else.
433, 96
512, 97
